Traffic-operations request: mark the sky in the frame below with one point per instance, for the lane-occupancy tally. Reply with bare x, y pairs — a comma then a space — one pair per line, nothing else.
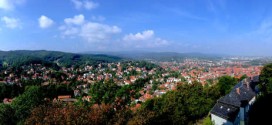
232, 27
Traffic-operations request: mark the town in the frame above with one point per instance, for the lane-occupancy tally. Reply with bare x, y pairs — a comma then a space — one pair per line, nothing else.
205, 70
59, 81
157, 79
149, 62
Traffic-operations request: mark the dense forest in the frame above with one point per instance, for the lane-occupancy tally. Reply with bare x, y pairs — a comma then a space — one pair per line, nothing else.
162, 56
24, 57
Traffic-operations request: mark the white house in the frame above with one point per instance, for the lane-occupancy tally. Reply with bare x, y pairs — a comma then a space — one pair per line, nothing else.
233, 108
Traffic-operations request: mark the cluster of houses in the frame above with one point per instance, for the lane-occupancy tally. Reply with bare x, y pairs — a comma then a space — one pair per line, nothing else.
227, 110
203, 70
122, 74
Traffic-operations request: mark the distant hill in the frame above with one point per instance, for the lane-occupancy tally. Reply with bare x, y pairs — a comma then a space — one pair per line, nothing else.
160, 56
21, 57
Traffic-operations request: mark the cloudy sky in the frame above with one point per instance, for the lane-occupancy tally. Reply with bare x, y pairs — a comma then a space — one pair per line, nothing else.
237, 27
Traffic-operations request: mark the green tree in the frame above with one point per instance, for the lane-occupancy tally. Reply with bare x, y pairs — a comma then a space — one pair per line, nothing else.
225, 84
23, 104
124, 94
208, 121
58, 114
9, 91
243, 77
103, 92
142, 117
266, 77
196, 101
6, 115
186, 105
3, 91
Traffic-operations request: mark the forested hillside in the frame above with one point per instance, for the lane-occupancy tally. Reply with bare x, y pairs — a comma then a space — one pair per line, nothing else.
23, 57
161, 56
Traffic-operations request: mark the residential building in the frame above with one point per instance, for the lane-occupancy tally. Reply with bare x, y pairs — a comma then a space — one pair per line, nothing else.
233, 108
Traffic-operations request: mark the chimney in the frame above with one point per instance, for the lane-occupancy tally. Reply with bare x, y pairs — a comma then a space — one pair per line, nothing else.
238, 91
247, 85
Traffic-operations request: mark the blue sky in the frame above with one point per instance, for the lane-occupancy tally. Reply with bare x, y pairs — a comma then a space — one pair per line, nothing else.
234, 27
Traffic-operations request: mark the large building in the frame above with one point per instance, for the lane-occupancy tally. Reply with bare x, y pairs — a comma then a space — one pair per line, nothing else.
233, 108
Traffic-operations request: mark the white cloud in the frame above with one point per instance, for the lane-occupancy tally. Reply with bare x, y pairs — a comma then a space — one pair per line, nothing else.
76, 20
78, 4
96, 32
11, 22
89, 5
69, 31
86, 4
145, 39
139, 36
45, 22
10, 4
88, 30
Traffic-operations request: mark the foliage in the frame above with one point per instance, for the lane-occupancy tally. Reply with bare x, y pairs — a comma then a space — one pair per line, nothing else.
266, 78
70, 114
207, 121
142, 117
6, 115
147, 65
103, 92
226, 84
123, 95
175, 74
9, 90
121, 117
243, 77
52, 58
23, 104
167, 56
264, 101
53, 91
184, 106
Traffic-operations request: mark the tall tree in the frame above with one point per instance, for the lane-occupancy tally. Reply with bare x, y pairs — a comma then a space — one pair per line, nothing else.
266, 77
183, 106
6, 115
23, 104
226, 84
59, 114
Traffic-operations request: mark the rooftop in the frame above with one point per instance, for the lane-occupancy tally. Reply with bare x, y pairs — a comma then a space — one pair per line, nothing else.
228, 106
